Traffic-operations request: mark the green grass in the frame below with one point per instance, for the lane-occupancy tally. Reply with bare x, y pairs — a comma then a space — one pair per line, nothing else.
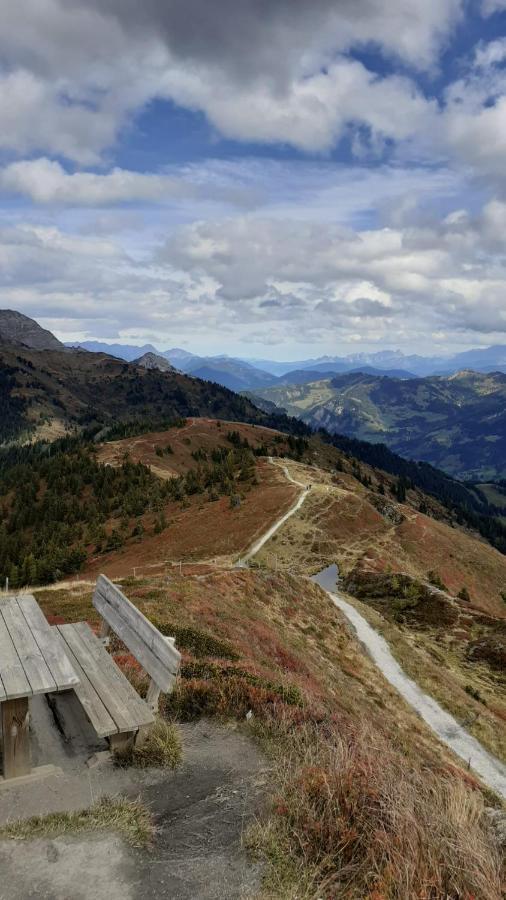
128, 817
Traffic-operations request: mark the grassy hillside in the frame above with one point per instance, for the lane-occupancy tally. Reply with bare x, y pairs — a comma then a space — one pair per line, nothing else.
457, 423
198, 489
45, 393
351, 770
436, 592
360, 800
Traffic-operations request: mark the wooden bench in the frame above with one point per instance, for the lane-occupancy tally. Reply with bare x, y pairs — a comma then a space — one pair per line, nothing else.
109, 701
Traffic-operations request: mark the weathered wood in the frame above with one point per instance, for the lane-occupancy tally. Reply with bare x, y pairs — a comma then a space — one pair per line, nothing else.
122, 743
153, 696
135, 643
57, 661
118, 696
156, 655
105, 630
14, 680
34, 665
91, 702
16, 739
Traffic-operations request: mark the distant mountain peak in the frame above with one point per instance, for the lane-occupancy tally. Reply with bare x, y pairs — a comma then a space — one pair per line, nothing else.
154, 361
17, 328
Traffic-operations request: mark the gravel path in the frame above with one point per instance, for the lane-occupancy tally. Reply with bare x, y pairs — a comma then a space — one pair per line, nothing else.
491, 770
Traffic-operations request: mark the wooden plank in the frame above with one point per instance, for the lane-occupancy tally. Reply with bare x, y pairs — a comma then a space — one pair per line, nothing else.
56, 660
152, 665
123, 690
118, 696
16, 738
14, 680
157, 656
137, 621
94, 670
34, 664
94, 709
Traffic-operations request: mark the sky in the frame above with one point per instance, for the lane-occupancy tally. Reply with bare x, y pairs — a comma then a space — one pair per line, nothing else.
265, 178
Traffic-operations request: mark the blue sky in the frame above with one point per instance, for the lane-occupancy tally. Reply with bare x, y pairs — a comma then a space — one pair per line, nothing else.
276, 179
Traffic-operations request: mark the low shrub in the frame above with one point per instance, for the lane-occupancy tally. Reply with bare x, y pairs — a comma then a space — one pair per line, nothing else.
228, 697
196, 641
288, 693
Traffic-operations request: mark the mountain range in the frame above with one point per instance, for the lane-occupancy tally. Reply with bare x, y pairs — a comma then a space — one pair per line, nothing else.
456, 422
249, 374
486, 359
48, 390
48, 393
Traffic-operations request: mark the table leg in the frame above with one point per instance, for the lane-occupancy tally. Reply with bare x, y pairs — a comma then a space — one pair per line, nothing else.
16, 738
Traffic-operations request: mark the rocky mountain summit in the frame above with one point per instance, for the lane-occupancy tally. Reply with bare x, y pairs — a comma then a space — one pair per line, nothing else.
154, 361
15, 328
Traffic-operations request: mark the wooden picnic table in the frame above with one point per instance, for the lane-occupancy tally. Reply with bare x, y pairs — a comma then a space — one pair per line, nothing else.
31, 662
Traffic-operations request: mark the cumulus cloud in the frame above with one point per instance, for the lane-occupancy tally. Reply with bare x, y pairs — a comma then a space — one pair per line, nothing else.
446, 273
75, 72
73, 76
279, 280
46, 181
253, 39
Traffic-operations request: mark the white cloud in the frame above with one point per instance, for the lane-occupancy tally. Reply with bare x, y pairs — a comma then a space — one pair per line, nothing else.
74, 73
314, 112
46, 181
226, 284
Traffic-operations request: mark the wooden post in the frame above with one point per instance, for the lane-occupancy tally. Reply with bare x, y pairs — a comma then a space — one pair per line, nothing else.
16, 737
105, 630
122, 743
153, 696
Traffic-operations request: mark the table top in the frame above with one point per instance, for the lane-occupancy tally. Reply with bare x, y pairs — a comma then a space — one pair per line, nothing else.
31, 657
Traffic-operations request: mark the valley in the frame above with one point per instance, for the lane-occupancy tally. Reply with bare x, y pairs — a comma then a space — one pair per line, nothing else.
457, 423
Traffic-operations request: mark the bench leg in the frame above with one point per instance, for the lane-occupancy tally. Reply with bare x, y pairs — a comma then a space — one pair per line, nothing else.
122, 743
153, 696
16, 738
142, 735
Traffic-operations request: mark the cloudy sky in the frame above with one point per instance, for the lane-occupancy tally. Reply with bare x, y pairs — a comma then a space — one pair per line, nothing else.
270, 178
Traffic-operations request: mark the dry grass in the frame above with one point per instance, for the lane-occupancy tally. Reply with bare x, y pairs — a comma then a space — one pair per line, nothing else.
470, 690
128, 817
352, 819
162, 749
379, 813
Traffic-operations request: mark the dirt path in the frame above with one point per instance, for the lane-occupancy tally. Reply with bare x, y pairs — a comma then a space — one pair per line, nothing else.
200, 812
257, 546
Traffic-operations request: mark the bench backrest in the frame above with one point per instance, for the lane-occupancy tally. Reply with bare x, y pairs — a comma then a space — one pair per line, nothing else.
154, 652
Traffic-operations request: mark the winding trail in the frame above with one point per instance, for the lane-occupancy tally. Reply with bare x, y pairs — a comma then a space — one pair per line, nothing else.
491, 770
257, 546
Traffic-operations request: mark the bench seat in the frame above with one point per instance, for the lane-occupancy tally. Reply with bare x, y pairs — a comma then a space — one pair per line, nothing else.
109, 701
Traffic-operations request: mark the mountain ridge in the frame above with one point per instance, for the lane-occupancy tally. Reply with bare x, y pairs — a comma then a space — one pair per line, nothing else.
16, 328
455, 422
